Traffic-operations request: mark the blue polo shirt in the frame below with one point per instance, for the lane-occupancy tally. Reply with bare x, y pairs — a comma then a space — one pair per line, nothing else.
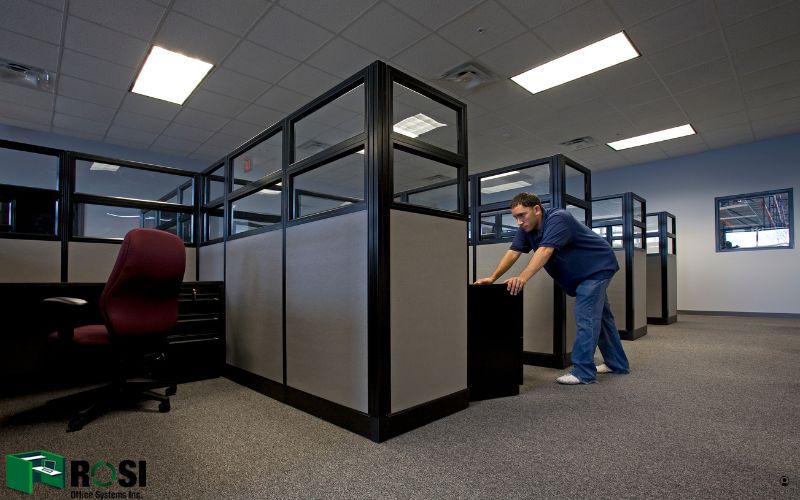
579, 254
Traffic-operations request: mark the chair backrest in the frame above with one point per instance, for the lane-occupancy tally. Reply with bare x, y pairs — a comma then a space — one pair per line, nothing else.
141, 294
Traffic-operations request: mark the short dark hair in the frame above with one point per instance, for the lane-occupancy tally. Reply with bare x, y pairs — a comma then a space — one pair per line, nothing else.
526, 200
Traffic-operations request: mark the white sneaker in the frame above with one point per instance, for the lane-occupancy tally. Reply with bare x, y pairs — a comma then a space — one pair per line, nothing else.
568, 379
604, 369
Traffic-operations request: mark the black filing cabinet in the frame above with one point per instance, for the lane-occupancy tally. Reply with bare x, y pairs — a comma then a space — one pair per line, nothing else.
494, 342
197, 348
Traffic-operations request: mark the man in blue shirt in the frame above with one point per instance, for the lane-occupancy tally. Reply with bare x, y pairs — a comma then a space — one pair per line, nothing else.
582, 263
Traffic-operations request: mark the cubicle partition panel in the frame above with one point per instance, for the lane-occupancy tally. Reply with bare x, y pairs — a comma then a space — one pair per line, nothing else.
358, 202
548, 322
662, 271
30, 261
211, 262
620, 220
92, 262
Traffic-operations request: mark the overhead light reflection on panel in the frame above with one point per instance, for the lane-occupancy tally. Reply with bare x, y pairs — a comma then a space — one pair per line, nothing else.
170, 76
661, 135
590, 59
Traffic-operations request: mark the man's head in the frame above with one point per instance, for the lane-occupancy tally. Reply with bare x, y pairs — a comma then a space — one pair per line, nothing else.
527, 211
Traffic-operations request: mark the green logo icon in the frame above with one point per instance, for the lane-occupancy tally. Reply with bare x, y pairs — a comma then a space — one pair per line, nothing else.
25, 469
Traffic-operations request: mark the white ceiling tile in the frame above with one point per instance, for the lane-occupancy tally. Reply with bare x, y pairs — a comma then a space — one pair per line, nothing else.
30, 19
127, 142
309, 81
234, 19
776, 93
675, 26
139, 137
284, 100
209, 153
714, 100
643, 154
230, 83
640, 94
200, 119
766, 27
770, 76
83, 109
699, 76
624, 75
104, 43
782, 125
76, 123
256, 61
482, 28
53, 4
193, 38
289, 34
733, 11
261, 116
28, 51
431, 57
15, 111
137, 18
711, 124
215, 103
729, 137
34, 98
704, 48
88, 91
434, 14
80, 133
515, 56
140, 122
226, 141
96, 70
765, 56
180, 131
635, 11
42, 127
150, 106
579, 27
790, 106
385, 31
656, 115
684, 146
333, 16
342, 58
498, 94
568, 94
172, 145
535, 13
241, 129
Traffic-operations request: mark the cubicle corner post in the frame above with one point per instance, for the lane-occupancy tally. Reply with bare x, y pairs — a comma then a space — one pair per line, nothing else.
661, 284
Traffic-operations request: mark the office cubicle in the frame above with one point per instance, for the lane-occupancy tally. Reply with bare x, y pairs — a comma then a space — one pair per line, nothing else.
662, 269
548, 322
340, 232
620, 219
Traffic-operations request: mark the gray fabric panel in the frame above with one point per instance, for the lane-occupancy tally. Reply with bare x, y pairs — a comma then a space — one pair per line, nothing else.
537, 302
326, 309
254, 304
639, 289
672, 284
428, 267
93, 262
572, 328
212, 262
30, 261
616, 292
654, 285
190, 274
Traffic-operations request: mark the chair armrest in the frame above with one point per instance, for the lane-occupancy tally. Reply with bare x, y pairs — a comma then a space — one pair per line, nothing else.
68, 310
70, 301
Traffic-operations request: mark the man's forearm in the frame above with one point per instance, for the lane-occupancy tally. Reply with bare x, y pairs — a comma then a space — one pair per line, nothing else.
505, 264
539, 259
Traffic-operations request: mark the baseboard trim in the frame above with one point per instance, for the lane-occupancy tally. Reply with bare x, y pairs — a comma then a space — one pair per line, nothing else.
662, 321
417, 416
633, 335
738, 313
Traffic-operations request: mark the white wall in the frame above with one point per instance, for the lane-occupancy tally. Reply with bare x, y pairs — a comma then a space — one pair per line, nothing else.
763, 281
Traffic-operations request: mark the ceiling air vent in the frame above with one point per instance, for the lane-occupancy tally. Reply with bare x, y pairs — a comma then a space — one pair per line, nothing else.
469, 75
578, 143
312, 145
27, 76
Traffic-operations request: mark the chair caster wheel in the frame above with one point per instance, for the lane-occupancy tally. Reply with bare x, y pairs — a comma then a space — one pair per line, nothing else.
163, 407
171, 390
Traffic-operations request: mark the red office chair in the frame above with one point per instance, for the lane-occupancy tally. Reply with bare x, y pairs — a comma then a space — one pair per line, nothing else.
139, 306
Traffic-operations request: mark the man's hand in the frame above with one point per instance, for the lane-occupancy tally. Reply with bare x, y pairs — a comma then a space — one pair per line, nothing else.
515, 285
484, 281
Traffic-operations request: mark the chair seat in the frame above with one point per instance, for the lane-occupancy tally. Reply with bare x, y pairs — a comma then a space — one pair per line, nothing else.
87, 335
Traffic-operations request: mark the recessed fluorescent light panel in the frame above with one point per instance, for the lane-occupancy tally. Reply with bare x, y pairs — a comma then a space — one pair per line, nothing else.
661, 135
599, 55
170, 76
104, 166
504, 174
416, 125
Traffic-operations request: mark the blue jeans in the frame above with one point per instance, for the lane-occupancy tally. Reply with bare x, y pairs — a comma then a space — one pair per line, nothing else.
596, 328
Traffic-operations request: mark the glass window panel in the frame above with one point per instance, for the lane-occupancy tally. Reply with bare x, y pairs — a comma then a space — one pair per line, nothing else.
652, 223
259, 161
504, 186
637, 237
575, 182
27, 210
602, 231
610, 209
338, 120
215, 184
671, 246
616, 244
670, 224
652, 244
103, 179
414, 173
215, 223
424, 119
107, 221
755, 221
330, 186
637, 210
21, 168
187, 192
577, 212
497, 224
616, 231
260, 209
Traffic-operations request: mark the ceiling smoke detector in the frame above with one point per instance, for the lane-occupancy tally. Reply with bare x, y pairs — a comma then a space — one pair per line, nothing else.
469, 75
26, 76
578, 143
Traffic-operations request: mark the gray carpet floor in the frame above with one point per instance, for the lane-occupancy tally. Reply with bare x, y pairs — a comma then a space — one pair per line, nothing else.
710, 410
